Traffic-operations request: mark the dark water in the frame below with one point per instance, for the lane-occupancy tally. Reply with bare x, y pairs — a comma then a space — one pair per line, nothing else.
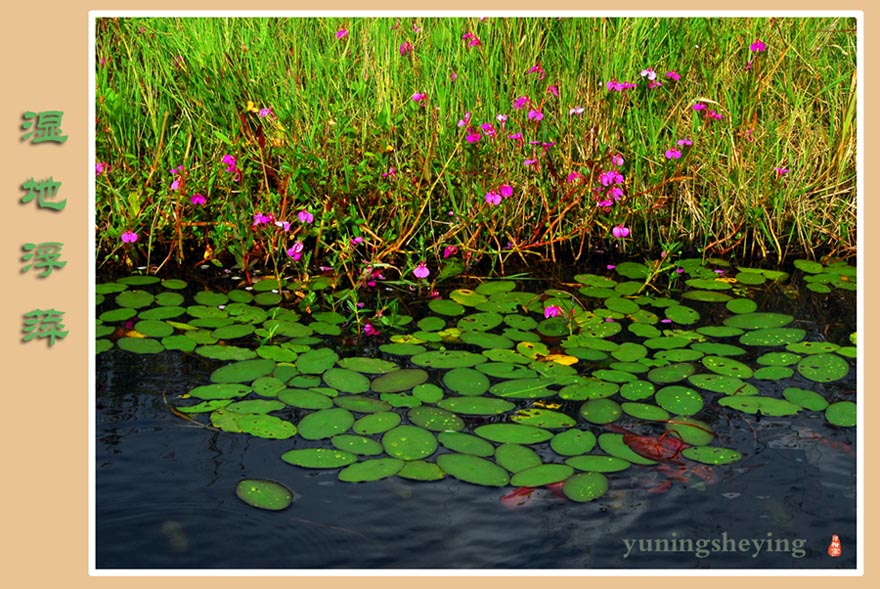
165, 499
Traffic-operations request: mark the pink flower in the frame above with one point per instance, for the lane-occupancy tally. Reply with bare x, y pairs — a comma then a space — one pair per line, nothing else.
501, 119
488, 129
295, 251
355, 241
230, 162
197, 199
552, 311
699, 106
758, 46
537, 69
305, 217
610, 177
649, 73
391, 172
506, 190
673, 75
617, 159
370, 330
521, 102
493, 198
419, 97
472, 39
620, 232
685, 142
261, 219
575, 177
518, 137
473, 135
283, 225
452, 77
341, 33
101, 167
615, 192
464, 122
553, 89
530, 162
421, 271
673, 154
405, 48
129, 237
781, 172
576, 110
654, 84
266, 112
714, 115
535, 115
450, 250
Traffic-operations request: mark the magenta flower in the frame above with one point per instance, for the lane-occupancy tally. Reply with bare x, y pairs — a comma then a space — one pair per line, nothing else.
575, 177
654, 84
615, 192
719, 272
283, 225
506, 190
450, 250
421, 271
295, 251
129, 237
464, 122
649, 73
530, 162
518, 137
552, 311
615, 86
535, 115
266, 112
576, 110
488, 129
230, 162
341, 33
472, 39
355, 241
714, 115
501, 118
419, 97
101, 167
452, 77
405, 48
261, 219
699, 106
673, 75
758, 46
553, 89
620, 232
197, 199
391, 172
521, 102
781, 172
673, 154
305, 217
617, 160
685, 142
610, 177
473, 135
493, 198
537, 69
370, 330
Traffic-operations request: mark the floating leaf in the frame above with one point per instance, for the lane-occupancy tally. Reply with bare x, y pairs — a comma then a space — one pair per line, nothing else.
707, 296
205, 406
544, 474
361, 404
513, 433
614, 445
823, 367
264, 494
473, 469
325, 423
691, 431
765, 405
420, 470
160, 314
243, 371
347, 381
711, 455
446, 307
584, 487
679, 400
319, 457
773, 373
476, 405
758, 320
637, 390
740, 306
543, 418
778, 336
842, 414
376, 423
600, 411
808, 266
305, 399
719, 383
261, 426
523, 388
220, 391
466, 444
255, 406
466, 381
403, 379
428, 393
671, 373
573, 442
435, 419
117, 315
596, 463
448, 359
812, 347
371, 470
140, 345
516, 457
645, 411
682, 315
368, 365
225, 352
727, 366
409, 442
804, 398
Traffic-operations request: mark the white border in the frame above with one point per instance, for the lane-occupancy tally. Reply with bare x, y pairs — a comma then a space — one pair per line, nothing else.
860, 297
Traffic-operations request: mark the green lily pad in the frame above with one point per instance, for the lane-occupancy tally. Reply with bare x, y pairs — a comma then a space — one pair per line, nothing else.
804, 398
466, 444
813, 347
573, 442
305, 399
823, 367
436, 419
117, 315
376, 423
691, 431
140, 345
708, 296
758, 320
347, 381
842, 414
205, 406
398, 400
261, 426
809, 266
476, 405
633, 270
682, 315
523, 388
220, 391
711, 455
319, 458
507, 370
543, 418
466, 381
583, 487
134, 299
600, 411
361, 404
174, 283
487, 341
264, 494
719, 331
316, 361
428, 393
325, 423
612, 444
544, 474
597, 463
778, 336
420, 470
720, 383
446, 307
727, 366
243, 371
448, 359
409, 442
159, 314
516, 457
360, 445
645, 411
638, 390
778, 359
773, 373
756, 403
473, 469
400, 380
255, 406
106, 288
679, 400
373, 469
740, 306
513, 433
402, 349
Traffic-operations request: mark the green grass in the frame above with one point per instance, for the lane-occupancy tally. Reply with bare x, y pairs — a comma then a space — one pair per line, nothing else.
343, 117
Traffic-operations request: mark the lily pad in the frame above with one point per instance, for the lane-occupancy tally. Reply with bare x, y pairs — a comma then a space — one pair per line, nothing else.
319, 457
220, 391
436, 419
513, 433
368, 365
243, 371
476, 405
305, 399
543, 418
263, 494
679, 400
446, 307
544, 474
325, 423
376, 423
612, 444
727, 366
466, 444
758, 320
719, 383
573, 442
448, 359
409, 442
420, 470
473, 469
778, 336
361, 404
597, 463
645, 411
711, 455
842, 414
583, 487
400, 380
691, 431
601, 411
823, 367
316, 361
347, 381
140, 345
756, 403
373, 469
466, 381
804, 398
516, 457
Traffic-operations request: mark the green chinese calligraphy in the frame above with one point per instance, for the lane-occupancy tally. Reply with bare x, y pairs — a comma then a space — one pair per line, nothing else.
44, 191
43, 256
43, 324
43, 126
